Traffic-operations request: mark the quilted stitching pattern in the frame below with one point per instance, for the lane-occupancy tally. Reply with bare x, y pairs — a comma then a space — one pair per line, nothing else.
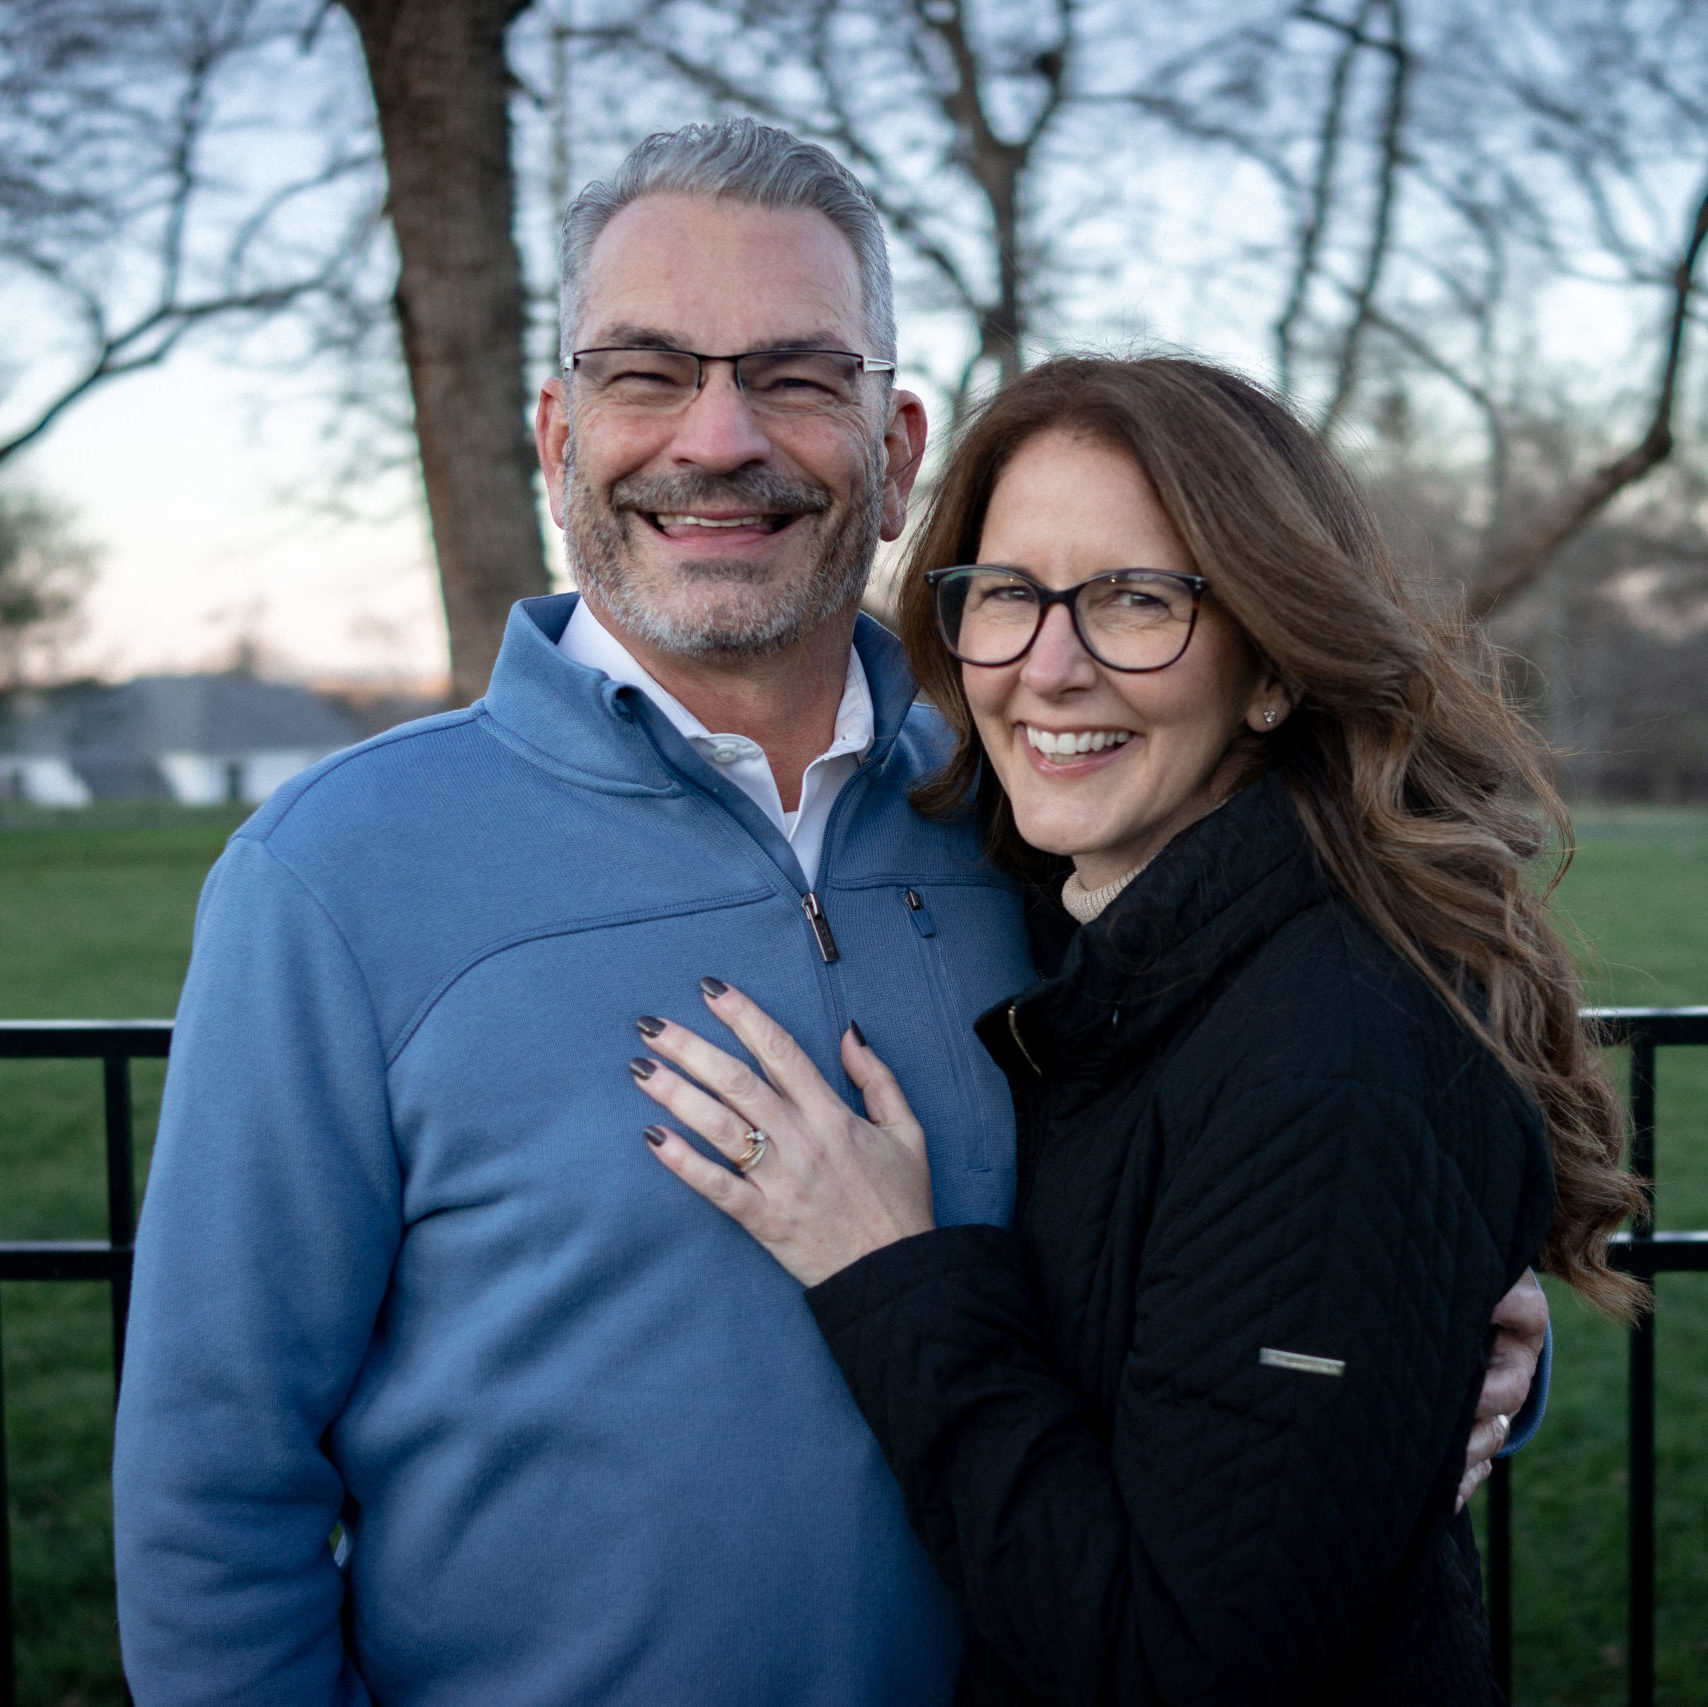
1130, 1505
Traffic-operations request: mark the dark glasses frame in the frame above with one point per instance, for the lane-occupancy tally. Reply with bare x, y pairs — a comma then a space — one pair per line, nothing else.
862, 365
1048, 597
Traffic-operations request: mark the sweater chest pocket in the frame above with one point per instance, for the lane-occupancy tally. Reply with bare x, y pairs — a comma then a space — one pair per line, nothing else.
953, 1028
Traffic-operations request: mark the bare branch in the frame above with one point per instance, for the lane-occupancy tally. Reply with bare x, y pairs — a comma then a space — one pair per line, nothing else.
1381, 229
1516, 567
1315, 219
147, 342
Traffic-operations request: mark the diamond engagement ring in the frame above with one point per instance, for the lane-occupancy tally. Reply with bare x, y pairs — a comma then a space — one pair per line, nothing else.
757, 1144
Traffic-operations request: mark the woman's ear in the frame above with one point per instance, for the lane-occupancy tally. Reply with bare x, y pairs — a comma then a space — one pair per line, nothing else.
1269, 706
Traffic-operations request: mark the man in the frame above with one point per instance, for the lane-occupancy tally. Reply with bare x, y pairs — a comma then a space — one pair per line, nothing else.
406, 1268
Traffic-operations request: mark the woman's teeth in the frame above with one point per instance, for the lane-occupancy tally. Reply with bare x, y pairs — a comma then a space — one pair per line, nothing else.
1057, 743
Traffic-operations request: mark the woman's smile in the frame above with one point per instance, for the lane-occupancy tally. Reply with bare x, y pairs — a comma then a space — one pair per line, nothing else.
1061, 746
1101, 764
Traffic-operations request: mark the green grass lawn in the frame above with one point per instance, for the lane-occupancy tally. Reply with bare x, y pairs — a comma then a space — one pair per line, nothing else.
95, 923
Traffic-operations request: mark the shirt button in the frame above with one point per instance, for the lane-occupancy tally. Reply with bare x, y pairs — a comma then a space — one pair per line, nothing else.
727, 752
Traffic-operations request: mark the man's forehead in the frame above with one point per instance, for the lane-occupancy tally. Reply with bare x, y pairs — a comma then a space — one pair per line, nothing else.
630, 334
699, 273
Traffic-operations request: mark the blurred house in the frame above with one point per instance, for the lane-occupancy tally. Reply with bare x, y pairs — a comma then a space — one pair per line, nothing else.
198, 740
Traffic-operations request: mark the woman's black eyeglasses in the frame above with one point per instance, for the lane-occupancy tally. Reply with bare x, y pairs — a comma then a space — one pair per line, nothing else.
1127, 619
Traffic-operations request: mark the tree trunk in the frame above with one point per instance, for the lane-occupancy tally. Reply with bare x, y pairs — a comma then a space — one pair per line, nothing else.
440, 86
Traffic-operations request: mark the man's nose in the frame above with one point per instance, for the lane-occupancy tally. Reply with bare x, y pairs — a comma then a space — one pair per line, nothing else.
718, 429
1058, 662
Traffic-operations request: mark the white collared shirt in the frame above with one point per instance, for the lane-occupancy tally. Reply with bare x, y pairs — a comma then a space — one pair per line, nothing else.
587, 641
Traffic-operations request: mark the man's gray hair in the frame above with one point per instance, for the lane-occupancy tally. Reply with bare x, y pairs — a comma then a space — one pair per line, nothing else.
741, 161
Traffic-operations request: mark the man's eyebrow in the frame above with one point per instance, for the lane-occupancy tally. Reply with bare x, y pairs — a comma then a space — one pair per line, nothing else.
626, 335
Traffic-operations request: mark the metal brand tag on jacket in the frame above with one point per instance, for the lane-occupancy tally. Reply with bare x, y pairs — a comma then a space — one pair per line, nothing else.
1301, 1361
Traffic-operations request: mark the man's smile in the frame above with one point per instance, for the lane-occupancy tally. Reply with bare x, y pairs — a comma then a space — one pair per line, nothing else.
684, 525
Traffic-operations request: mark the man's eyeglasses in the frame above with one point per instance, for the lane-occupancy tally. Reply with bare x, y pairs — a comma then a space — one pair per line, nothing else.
1127, 619
774, 382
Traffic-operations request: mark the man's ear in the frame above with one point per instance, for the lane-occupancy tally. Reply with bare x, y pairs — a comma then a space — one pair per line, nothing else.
551, 435
904, 445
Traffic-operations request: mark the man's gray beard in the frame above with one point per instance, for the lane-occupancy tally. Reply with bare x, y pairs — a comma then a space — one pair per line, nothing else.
597, 543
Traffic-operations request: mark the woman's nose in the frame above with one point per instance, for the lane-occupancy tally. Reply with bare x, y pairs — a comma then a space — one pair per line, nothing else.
1058, 662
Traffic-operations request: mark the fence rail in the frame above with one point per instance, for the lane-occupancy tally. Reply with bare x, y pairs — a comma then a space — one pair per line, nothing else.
115, 1044
1642, 1251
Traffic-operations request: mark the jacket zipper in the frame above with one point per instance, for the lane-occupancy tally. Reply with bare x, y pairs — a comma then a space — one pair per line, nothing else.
1019, 1041
958, 1043
814, 910
922, 920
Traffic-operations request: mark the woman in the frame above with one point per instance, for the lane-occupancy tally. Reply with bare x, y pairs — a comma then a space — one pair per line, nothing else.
1304, 1097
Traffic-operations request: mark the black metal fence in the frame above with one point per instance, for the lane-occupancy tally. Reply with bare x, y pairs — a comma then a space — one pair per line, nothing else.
115, 1044
1643, 1251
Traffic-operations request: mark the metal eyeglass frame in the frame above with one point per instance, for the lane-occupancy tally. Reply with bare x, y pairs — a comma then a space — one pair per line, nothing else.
1069, 596
868, 364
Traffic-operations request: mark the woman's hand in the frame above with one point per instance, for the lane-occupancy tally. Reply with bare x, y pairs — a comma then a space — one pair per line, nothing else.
828, 1186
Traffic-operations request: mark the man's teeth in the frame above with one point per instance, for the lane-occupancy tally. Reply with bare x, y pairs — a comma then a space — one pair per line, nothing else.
665, 521
1058, 742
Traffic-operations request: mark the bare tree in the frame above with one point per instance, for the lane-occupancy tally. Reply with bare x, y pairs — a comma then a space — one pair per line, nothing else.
947, 116
1423, 178
441, 91
1509, 569
114, 219
137, 208
1432, 174
44, 572
1440, 174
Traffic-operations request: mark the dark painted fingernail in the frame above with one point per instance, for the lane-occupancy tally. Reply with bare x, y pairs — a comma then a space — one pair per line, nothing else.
714, 987
647, 1026
857, 1034
655, 1135
642, 1068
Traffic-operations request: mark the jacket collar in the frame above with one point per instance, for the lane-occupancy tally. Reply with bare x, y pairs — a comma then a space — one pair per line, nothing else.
581, 722
1217, 891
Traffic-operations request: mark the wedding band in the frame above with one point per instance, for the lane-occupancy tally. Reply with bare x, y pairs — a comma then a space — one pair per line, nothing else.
757, 1144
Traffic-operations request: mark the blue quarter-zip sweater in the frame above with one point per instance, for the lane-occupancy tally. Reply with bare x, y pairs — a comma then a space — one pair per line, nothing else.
406, 1263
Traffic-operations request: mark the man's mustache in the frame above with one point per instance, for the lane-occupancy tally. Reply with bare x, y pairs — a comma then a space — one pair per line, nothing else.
755, 490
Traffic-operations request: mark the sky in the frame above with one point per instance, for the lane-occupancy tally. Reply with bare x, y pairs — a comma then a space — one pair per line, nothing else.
179, 477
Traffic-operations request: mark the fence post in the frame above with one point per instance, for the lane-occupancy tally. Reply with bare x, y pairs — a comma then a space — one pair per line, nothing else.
8, 1656
1500, 1573
1640, 1620
121, 1200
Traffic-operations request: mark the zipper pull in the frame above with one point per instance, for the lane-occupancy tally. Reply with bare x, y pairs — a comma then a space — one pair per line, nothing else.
1019, 1041
820, 927
916, 910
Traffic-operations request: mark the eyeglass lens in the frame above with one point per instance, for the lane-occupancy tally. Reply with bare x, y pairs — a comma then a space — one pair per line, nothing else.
1131, 619
774, 382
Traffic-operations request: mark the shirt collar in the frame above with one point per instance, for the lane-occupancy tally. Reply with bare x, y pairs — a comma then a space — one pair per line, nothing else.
578, 720
586, 641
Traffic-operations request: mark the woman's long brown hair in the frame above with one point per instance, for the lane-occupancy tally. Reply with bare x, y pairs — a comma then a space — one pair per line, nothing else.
1428, 800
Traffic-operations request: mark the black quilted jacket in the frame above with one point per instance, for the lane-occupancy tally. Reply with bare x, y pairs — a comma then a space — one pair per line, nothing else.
1190, 1432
